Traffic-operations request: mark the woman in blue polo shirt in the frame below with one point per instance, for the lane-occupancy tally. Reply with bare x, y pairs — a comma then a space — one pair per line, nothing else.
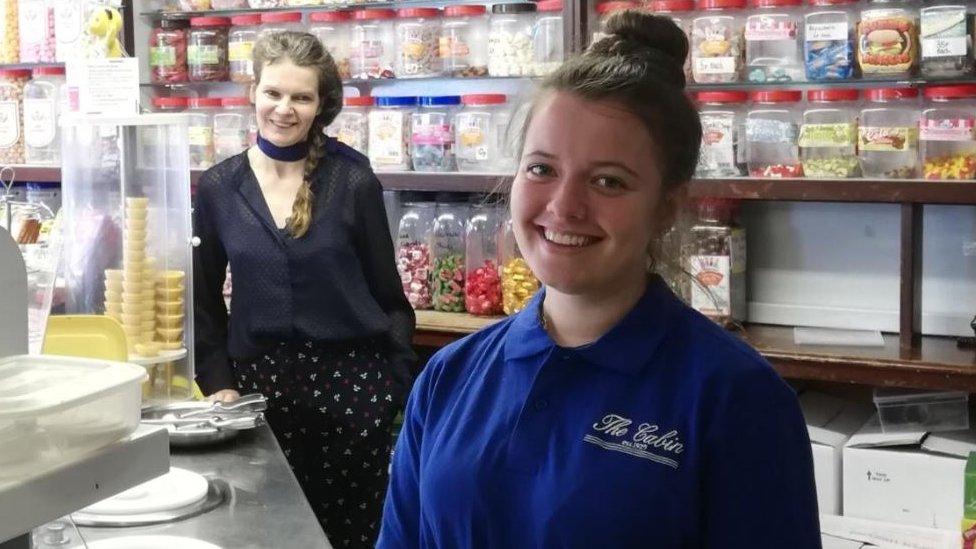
607, 414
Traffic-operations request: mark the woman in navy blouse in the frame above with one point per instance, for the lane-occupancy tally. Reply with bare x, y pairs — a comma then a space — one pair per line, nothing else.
318, 321
607, 413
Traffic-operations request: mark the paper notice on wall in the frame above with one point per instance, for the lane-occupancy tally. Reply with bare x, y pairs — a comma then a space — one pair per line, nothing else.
103, 86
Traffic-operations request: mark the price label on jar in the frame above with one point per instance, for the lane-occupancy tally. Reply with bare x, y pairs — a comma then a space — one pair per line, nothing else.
764, 130
718, 143
203, 55
240, 51
946, 129
9, 124
826, 135
162, 56
39, 122
715, 65
943, 34
386, 138
826, 32
887, 139
200, 136
472, 141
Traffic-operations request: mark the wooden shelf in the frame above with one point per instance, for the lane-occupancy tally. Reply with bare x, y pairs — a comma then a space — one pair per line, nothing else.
916, 191
937, 363
898, 82
23, 172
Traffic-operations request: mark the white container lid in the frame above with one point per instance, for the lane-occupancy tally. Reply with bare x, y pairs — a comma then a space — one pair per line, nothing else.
32, 385
909, 396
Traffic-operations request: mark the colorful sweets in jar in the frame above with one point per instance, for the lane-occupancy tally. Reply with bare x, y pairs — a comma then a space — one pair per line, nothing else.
771, 134
828, 134
887, 134
947, 134
418, 42
447, 259
432, 134
372, 44
482, 282
351, 125
240, 44
413, 258
772, 41
167, 53
828, 40
519, 283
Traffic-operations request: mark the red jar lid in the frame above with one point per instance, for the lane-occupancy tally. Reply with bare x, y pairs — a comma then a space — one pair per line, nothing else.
169, 101
608, 7
723, 97
891, 94
235, 102
330, 16
483, 99
368, 15
49, 71
418, 12
246, 20
282, 17
776, 3
549, 5
15, 73
359, 101
831, 2
460, 11
951, 92
209, 22
721, 4
671, 5
204, 102
776, 96
833, 95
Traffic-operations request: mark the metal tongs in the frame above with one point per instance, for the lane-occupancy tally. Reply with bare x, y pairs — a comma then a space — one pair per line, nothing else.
244, 413
254, 402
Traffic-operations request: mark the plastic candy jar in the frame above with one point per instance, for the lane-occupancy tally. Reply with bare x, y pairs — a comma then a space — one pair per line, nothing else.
12, 82
771, 134
167, 52
772, 41
280, 21
228, 4
716, 255
432, 134
604, 10
389, 133
946, 44
519, 283
10, 35
680, 11
170, 104
372, 51
463, 42
888, 134
230, 127
716, 42
351, 126
69, 24
447, 259
722, 151
946, 131
37, 41
510, 34
332, 30
828, 134
828, 40
413, 253
240, 45
479, 132
201, 138
44, 97
482, 280
547, 42
206, 53
887, 40
418, 42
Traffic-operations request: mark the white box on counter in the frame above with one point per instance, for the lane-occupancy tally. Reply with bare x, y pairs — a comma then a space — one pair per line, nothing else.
830, 423
910, 478
837, 529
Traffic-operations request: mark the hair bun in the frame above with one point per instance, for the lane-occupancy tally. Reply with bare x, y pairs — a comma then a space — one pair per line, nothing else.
653, 37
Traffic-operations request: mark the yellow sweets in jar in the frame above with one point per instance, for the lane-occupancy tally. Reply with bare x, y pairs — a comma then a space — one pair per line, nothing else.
518, 285
10, 37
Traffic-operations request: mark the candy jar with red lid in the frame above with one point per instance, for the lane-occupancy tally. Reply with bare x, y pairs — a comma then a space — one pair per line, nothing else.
771, 134
722, 151
716, 255
207, 49
828, 134
240, 45
464, 41
482, 281
418, 42
372, 51
716, 41
773, 41
351, 125
332, 30
828, 39
519, 283
946, 132
887, 133
887, 39
202, 110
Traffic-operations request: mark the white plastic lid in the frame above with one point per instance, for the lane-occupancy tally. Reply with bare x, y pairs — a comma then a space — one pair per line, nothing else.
915, 396
32, 385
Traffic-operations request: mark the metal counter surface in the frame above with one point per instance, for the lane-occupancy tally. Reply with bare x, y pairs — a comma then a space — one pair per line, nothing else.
265, 506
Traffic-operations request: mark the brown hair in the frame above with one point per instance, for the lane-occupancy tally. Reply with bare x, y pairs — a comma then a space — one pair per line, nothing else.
304, 50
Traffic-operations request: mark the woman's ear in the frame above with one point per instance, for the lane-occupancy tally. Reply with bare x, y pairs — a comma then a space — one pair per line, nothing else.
252, 92
672, 202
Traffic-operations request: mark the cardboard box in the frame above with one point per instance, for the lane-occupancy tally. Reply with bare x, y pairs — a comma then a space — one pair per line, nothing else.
885, 534
830, 423
910, 478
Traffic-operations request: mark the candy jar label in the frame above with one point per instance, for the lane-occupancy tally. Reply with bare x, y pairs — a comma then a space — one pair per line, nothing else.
762, 28
32, 21
816, 32
715, 65
39, 124
764, 130
240, 51
887, 139
386, 139
717, 149
162, 56
710, 294
201, 136
827, 135
946, 129
9, 124
943, 33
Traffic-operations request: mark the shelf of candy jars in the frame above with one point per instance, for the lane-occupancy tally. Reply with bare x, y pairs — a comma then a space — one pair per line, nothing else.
126, 215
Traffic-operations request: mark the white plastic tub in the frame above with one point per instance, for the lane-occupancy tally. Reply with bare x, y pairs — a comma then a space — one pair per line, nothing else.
903, 410
53, 408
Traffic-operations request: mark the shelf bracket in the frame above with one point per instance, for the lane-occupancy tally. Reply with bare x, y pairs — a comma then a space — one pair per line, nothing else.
910, 303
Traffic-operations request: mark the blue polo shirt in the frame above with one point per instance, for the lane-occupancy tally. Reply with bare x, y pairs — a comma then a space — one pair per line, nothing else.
665, 432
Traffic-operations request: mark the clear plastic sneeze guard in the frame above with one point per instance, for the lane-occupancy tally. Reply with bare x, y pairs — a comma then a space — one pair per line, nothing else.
127, 238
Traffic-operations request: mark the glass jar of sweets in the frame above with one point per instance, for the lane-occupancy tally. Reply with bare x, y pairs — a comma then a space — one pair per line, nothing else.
510, 34
773, 41
482, 279
828, 39
240, 44
519, 283
479, 133
167, 52
887, 39
547, 41
389, 133
722, 151
351, 125
280, 21
447, 258
888, 134
230, 127
717, 48
716, 255
946, 40
206, 51
432, 134
771, 134
332, 30
418, 42
372, 45
464, 41
201, 138
828, 134
413, 252
946, 132
44, 98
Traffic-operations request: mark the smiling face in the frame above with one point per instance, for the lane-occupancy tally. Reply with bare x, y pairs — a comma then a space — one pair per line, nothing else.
286, 99
585, 202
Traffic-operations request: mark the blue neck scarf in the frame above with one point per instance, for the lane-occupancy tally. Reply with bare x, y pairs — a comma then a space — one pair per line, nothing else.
291, 153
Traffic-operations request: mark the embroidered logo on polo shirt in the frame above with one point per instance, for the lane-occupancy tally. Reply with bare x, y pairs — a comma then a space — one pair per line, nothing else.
647, 441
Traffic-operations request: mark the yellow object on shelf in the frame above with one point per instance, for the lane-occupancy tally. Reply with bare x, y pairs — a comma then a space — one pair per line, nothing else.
86, 336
